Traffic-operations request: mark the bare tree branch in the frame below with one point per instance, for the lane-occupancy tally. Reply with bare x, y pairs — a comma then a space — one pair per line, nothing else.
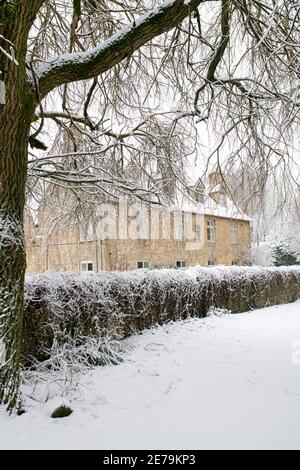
86, 65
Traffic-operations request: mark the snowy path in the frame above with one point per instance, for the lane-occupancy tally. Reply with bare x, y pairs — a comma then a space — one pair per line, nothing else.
219, 382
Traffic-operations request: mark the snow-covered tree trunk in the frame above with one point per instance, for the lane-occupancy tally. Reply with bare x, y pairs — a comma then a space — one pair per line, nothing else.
16, 113
13, 159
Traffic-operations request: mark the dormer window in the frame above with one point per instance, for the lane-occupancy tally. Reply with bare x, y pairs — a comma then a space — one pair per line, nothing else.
222, 199
199, 195
198, 191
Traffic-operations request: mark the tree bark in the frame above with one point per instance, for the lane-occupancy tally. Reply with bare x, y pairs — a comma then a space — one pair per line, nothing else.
15, 120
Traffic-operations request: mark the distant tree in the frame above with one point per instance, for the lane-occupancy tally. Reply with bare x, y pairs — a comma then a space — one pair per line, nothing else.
284, 258
283, 254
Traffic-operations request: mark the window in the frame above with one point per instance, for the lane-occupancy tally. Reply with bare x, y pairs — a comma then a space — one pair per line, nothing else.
234, 233
181, 264
87, 267
143, 264
236, 262
211, 231
212, 262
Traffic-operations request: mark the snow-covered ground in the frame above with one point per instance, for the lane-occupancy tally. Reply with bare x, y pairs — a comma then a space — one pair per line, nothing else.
221, 382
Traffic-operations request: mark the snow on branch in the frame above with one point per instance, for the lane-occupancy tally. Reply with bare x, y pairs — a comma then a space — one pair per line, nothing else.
85, 65
9, 55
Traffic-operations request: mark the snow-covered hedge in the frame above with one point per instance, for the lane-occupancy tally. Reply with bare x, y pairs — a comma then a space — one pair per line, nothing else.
63, 305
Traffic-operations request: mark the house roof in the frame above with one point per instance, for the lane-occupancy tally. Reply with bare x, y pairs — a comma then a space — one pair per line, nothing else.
227, 209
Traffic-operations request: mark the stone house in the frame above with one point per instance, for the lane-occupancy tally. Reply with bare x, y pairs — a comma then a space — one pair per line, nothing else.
201, 229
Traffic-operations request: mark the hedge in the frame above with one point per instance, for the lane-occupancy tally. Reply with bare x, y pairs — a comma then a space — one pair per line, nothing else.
116, 304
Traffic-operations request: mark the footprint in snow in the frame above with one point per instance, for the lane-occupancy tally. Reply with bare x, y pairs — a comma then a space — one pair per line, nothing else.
153, 346
172, 386
230, 363
251, 382
289, 392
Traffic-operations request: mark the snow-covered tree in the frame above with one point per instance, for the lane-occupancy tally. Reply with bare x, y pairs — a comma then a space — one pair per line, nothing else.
262, 255
232, 63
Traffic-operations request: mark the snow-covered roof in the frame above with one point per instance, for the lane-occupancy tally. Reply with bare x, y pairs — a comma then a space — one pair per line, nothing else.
226, 209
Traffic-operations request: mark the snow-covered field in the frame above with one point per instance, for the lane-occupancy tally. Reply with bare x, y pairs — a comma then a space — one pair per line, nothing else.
222, 382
